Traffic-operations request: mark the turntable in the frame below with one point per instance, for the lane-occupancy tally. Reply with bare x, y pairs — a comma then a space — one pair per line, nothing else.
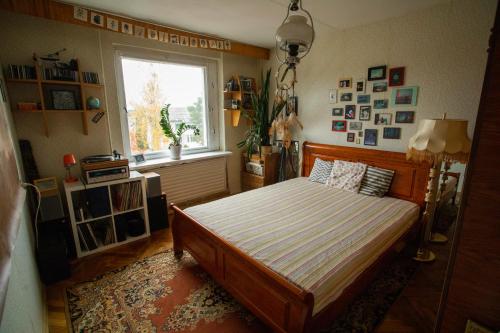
102, 168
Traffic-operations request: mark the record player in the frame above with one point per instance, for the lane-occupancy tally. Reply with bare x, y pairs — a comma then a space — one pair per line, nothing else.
103, 168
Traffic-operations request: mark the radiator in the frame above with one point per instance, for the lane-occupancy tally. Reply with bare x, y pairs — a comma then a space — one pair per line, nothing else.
193, 180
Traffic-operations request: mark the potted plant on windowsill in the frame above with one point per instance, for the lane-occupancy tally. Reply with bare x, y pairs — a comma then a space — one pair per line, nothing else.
175, 135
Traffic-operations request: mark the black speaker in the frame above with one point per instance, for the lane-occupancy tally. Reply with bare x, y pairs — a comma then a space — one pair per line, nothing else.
157, 211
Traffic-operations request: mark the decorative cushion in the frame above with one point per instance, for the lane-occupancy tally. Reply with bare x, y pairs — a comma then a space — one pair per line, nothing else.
320, 171
376, 181
346, 175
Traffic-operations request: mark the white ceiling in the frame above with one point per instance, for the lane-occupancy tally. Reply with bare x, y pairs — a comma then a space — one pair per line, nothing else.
254, 21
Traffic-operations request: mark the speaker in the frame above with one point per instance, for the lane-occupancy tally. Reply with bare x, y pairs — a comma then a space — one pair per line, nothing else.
157, 211
153, 184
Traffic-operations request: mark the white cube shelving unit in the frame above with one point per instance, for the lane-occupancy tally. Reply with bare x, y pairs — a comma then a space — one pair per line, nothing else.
109, 220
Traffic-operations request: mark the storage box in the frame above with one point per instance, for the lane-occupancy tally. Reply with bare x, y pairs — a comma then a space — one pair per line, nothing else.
255, 168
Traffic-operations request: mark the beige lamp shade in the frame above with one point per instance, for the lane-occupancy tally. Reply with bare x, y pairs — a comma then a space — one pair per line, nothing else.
440, 139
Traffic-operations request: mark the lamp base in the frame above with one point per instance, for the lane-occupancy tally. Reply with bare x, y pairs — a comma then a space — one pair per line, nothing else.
424, 255
436, 237
70, 179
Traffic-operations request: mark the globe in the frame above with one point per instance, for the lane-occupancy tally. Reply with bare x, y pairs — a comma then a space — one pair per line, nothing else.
93, 103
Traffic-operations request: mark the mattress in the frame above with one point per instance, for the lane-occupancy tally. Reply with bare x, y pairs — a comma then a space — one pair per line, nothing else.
316, 237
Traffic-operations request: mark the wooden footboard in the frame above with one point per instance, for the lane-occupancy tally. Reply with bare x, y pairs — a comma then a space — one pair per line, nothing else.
277, 302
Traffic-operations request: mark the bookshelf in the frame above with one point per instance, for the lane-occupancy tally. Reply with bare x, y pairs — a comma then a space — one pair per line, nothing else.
240, 91
36, 88
107, 214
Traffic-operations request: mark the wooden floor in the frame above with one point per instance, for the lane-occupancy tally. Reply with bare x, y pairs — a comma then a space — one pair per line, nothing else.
414, 311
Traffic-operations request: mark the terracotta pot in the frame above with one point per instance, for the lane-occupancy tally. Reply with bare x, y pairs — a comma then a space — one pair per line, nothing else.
175, 152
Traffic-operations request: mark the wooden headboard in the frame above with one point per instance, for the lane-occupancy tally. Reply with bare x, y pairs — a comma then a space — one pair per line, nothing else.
410, 178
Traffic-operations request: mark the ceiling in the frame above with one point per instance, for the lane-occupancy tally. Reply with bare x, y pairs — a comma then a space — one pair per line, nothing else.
254, 21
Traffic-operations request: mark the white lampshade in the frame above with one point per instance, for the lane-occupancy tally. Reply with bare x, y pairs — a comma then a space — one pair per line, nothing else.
440, 139
295, 31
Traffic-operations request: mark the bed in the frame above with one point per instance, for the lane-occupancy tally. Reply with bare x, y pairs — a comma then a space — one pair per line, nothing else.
296, 253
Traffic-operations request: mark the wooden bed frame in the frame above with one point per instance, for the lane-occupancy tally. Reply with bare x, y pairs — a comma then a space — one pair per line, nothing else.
284, 306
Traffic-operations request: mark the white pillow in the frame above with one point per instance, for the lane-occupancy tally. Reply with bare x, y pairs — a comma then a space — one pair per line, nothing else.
346, 175
320, 171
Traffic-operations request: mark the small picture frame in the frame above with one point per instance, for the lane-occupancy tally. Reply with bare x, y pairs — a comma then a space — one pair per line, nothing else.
360, 134
370, 137
346, 97
405, 117
112, 24
383, 119
212, 44
80, 13
139, 31
174, 39
380, 104
396, 76
153, 34
337, 112
333, 96
161, 36
127, 28
203, 43
193, 41
184, 41
139, 158
355, 125
63, 99
220, 45
360, 86
227, 45
339, 125
350, 112
404, 96
345, 83
363, 99
379, 86
392, 133
365, 112
350, 137
377, 73
97, 19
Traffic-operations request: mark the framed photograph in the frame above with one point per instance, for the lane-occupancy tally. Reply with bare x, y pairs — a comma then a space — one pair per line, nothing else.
365, 112
360, 134
220, 45
396, 76
80, 13
227, 45
345, 83
161, 36
212, 43
371, 137
127, 28
174, 39
97, 19
292, 105
404, 96
184, 40
153, 34
193, 42
337, 112
346, 97
360, 86
63, 99
377, 73
383, 119
203, 43
405, 117
379, 86
363, 99
350, 137
355, 125
350, 112
333, 96
139, 158
112, 24
392, 133
380, 104
339, 125
139, 31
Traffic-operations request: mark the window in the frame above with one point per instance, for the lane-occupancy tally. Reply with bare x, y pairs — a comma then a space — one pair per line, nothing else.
149, 83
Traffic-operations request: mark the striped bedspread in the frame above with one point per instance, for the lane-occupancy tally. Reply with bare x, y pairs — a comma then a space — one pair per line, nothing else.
319, 238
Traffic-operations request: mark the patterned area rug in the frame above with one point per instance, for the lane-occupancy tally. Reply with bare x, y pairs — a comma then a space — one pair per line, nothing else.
161, 294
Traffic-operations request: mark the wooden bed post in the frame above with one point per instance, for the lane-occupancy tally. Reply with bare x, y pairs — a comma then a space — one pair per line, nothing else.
178, 247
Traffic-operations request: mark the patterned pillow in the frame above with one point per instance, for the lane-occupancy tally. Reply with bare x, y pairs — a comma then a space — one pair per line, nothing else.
376, 181
346, 175
320, 171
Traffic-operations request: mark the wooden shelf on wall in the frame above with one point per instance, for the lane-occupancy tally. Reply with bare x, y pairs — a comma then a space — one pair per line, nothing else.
41, 84
238, 95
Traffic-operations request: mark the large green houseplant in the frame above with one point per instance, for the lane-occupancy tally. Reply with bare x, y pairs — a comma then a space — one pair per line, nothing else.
175, 135
257, 135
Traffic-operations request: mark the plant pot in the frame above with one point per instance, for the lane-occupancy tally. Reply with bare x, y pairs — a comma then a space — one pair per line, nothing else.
266, 150
175, 152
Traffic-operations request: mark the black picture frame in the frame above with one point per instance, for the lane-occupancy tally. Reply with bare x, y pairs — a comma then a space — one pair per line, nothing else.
365, 112
63, 99
139, 158
350, 112
377, 73
392, 133
370, 138
404, 117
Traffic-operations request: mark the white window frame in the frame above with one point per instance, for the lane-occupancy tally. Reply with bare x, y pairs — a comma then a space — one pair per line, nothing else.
211, 96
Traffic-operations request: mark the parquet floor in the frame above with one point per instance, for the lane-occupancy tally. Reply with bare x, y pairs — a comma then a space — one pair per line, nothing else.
414, 311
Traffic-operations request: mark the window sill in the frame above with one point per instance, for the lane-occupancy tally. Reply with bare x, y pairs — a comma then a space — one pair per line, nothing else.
164, 162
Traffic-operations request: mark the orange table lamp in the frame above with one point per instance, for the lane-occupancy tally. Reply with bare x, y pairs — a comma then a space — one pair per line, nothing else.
69, 161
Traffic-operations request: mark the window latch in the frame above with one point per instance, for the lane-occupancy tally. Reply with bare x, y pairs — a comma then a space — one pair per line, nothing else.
125, 109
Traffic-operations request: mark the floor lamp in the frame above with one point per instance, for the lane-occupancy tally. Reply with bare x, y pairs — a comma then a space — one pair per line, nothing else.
436, 140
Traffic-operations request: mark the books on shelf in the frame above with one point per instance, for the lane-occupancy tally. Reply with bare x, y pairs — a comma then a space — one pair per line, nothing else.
95, 234
127, 196
90, 77
59, 74
21, 72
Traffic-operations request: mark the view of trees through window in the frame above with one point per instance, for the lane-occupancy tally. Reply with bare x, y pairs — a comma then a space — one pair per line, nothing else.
149, 85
